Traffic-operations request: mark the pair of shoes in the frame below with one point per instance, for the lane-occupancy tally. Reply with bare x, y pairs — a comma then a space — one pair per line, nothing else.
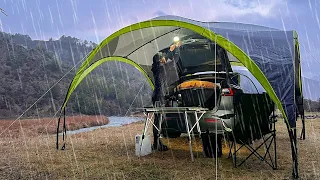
160, 147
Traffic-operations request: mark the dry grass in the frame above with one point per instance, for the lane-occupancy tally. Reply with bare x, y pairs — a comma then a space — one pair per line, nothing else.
35, 127
109, 154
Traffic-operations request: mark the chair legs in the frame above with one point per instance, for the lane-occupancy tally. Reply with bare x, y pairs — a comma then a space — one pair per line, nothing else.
266, 157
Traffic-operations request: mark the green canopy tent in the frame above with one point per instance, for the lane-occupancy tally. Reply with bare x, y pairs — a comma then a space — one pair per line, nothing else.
271, 55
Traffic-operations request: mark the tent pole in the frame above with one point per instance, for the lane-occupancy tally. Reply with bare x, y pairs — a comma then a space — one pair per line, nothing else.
58, 126
303, 132
304, 127
293, 141
57, 141
275, 137
64, 130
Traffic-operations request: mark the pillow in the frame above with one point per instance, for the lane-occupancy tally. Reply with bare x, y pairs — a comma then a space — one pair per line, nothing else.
197, 84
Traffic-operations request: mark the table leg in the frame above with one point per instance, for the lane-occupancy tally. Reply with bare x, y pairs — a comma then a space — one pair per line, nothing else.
145, 128
159, 129
197, 123
188, 131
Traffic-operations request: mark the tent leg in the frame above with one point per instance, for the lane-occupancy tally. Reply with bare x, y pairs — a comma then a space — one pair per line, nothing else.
293, 140
303, 132
275, 145
64, 130
58, 127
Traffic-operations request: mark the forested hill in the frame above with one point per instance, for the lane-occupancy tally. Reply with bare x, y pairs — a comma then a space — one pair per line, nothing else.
30, 67
68, 50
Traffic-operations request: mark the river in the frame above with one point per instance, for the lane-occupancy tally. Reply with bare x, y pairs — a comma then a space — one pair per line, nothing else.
114, 121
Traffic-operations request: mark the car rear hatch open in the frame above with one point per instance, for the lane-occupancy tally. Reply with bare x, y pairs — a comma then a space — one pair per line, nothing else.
204, 71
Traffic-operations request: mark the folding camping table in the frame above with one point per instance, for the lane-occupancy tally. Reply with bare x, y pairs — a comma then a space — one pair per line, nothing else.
198, 112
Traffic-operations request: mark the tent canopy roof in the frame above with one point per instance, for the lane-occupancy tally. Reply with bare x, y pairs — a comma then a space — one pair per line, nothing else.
268, 53
219, 25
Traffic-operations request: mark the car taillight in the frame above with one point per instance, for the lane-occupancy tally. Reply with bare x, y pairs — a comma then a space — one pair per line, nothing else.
227, 92
210, 120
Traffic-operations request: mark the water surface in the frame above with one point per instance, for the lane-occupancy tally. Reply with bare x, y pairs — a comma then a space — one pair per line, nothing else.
114, 121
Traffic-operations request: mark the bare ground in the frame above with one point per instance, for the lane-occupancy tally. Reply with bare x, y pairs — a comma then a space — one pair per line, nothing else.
109, 154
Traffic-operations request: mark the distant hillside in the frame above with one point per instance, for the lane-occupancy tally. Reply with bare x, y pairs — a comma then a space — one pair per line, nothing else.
68, 50
25, 75
311, 106
311, 88
30, 67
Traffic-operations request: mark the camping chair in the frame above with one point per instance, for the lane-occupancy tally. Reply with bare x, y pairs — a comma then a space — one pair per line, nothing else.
252, 114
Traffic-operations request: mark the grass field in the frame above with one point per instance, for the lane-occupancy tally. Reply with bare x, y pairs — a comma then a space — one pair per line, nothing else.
36, 127
109, 154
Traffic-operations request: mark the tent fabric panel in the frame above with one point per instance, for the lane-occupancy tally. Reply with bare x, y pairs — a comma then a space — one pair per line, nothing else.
107, 50
297, 62
219, 25
98, 63
138, 38
254, 69
143, 55
298, 81
232, 58
297, 50
248, 83
273, 54
276, 62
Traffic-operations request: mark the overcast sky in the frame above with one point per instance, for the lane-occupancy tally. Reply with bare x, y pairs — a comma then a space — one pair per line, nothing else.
96, 19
